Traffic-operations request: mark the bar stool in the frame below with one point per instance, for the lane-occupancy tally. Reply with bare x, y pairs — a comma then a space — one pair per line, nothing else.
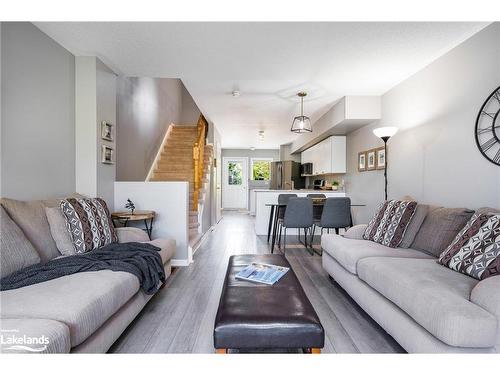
298, 215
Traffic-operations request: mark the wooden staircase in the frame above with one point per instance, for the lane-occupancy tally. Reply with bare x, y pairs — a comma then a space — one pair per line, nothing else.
185, 157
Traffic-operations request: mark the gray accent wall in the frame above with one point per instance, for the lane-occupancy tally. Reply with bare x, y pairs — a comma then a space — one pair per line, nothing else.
145, 109
433, 157
106, 111
95, 102
38, 114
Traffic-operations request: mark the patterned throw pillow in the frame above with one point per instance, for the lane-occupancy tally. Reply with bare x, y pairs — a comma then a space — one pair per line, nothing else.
475, 251
89, 223
389, 224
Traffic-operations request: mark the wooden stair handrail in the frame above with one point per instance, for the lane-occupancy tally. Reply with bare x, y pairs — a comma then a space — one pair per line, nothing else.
199, 159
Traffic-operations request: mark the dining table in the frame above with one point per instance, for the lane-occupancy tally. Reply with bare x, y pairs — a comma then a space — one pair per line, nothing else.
273, 216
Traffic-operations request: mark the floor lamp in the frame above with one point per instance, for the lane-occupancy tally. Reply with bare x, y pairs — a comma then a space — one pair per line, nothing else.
385, 134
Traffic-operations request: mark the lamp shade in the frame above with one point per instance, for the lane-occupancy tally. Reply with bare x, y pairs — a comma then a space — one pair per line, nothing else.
301, 124
386, 132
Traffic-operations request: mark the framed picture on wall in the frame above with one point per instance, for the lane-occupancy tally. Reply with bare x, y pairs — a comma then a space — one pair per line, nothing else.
371, 161
381, 158
361, 161
106, 131
107, 155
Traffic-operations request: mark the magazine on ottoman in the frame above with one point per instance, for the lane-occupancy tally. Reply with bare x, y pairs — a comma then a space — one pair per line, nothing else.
262, 273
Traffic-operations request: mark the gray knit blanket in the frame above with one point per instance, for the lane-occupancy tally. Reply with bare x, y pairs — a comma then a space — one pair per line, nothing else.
140, 259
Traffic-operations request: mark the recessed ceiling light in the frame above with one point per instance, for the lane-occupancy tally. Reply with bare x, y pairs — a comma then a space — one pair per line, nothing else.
236, 93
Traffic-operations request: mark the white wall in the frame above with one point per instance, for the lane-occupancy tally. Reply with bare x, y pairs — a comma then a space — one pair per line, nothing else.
434, 157
145, 109
170, 201
38, 114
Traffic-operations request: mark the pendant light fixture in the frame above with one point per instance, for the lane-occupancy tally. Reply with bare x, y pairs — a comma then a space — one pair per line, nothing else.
301, 124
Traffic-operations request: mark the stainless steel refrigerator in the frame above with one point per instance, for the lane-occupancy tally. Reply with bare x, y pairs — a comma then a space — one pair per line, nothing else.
285, 175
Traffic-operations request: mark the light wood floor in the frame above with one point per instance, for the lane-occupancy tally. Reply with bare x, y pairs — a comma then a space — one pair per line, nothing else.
180, 318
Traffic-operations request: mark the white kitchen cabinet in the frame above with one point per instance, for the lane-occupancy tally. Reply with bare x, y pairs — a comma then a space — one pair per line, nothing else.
306, 156
339, 154
327, 156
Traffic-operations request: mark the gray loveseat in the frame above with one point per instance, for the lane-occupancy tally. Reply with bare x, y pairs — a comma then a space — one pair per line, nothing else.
82, 313
426, 307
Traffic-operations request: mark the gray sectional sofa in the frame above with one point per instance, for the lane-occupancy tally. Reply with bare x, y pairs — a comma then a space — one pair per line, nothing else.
80, 313
426, 307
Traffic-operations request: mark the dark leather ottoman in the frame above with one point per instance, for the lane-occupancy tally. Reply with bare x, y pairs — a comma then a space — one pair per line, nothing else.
259, 316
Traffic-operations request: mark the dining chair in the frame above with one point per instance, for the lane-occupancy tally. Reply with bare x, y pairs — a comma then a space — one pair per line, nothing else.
336, 214
298, 215
317, 210
280, 214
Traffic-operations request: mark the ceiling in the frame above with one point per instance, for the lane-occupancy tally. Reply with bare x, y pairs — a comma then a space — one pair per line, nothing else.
267, 62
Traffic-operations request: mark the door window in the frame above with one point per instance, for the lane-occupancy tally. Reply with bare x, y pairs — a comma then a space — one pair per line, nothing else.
235, 173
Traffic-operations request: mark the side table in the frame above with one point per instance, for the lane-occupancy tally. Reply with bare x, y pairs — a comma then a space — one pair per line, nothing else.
125, 217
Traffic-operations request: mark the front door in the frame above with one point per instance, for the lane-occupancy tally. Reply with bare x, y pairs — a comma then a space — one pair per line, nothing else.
235, 183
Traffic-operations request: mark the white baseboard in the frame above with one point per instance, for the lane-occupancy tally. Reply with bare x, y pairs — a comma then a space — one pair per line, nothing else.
202, 238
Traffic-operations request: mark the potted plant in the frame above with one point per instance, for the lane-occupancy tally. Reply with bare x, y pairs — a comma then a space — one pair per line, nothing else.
130, 206
335, 185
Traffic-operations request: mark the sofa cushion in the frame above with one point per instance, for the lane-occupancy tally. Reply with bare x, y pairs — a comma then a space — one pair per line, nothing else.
475, 251
30, 217
59, 231
83, 301
439, 228
348, 252
434, 296
52, 336
414, 225
16, 251
89, 223
389, 224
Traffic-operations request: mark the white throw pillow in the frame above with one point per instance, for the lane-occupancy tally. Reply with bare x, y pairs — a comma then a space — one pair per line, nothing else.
356, 232
59, 231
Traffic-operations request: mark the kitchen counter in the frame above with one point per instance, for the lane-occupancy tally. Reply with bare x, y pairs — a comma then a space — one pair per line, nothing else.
266, 196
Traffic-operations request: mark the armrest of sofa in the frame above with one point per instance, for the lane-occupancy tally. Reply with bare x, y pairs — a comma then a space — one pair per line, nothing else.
167, 246
130, 234
486, 294
31, 335
356, 232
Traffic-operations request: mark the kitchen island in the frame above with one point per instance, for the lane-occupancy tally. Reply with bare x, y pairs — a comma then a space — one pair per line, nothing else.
266, 196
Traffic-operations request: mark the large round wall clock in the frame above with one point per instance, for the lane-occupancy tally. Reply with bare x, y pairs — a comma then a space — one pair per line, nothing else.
488, 128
